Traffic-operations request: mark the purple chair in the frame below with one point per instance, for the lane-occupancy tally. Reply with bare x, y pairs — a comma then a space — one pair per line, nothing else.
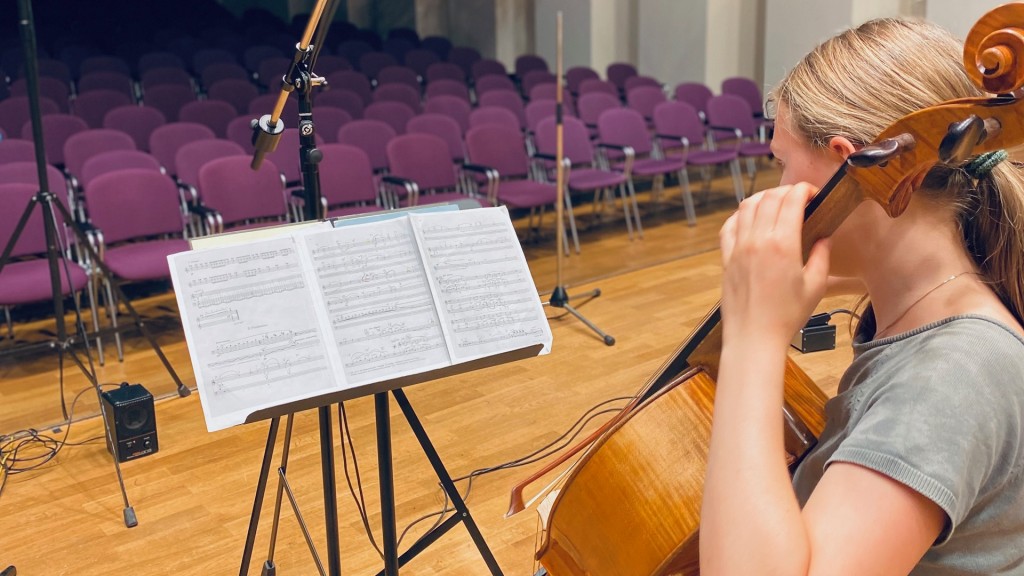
286, 156
372, 63
272, 70
372, 136
14, 112
25, 281
239, 197
487, 67
93, 106
596, 85
695, 94
576, 75
103, 63
447, 88
163, 76
397, 47
342, 99
111, 81
421, 171
328, 121
486, 115
116, 160
731, 122
211, 113
583, 174
159, 59
538, 110
206, 57
526, 63
536, 78
347, 184
445, 128
643, 99
139, 122
218, 71
353, 49
169, 99
166, 140
591, 106
549, 92
240, 132
264, 104
680, 128
492, 83
618, 72
398, 93
395, 114
464, 57
438, 45
234, 91
624, 130
51, 88
445, 71
28, 173
507, 100
84, 145
352, 80
191, 157
328, 63
256, 54
398, 75
49, 68
452, 106
14, 150
57, 128
421, 60
748, 90
638, 81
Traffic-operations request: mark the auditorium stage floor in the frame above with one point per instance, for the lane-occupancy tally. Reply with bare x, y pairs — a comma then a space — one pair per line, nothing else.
193, 497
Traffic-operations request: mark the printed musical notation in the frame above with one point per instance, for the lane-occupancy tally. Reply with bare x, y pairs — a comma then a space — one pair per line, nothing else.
486, 297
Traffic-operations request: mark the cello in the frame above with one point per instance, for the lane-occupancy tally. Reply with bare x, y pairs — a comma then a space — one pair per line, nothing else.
631, 505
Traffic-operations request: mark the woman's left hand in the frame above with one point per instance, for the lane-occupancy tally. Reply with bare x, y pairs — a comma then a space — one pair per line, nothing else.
767, 289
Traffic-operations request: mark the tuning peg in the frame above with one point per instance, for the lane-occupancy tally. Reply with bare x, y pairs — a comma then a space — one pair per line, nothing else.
879, 153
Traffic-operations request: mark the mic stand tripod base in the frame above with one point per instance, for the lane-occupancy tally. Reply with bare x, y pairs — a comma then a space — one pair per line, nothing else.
560, 299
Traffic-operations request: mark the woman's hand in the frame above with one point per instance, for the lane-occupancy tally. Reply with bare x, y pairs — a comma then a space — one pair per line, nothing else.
768, 292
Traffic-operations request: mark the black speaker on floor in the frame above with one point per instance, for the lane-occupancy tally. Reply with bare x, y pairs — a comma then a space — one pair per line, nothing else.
132, 421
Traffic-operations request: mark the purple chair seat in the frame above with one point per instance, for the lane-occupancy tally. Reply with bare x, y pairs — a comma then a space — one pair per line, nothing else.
434, 198
705, 157
353, 210
655, 166
593, 179
755, 149
29, 281
526, 193
143, 260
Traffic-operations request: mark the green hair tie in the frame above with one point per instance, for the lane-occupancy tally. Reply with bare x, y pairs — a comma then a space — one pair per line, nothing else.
983, 164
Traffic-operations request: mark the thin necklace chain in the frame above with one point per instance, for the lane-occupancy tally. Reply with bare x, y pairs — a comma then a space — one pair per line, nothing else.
923, 296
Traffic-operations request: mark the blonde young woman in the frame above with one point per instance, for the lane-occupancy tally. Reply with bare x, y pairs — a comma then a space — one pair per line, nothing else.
920, 468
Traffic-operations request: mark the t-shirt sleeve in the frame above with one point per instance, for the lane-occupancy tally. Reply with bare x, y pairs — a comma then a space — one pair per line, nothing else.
941, 425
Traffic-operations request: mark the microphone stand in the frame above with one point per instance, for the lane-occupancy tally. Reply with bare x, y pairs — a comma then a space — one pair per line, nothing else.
559, 296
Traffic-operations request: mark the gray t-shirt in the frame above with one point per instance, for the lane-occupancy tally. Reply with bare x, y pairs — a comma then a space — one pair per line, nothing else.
941, 410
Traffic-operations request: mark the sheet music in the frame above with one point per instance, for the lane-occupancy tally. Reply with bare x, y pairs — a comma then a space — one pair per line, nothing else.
372, 289
486, 297
251, 328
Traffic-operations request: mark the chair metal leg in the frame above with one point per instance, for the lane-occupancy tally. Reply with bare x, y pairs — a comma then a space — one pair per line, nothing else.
112, 313
572, 223
752, 166
10, 325
684, 185
91, 287
737, 181
625, 207
636, 209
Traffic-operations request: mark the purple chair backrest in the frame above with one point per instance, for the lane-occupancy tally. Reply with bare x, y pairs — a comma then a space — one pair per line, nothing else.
420, 60
328, 121
255, 55
526, 63
346, 175
51, 88
541, 109
206, 57
396, 114
638, 81
372, 136
211, 113
488, 67
592, 85
536, 78
169, 99
397, 47
748, 90
498, 147
114, 81
150, 197
398, 93
447, 88
422, 158
14, 112
84, 145
162, 76
353, 49
49, 68
485, 115
104, 64
328, 63
240, 132
732, 112
575, 139
272, 70
507, 100
352, 80
93, 106
444, 127
191, 157
165, 141
116, 160
695, 94
234, 91
372, 63
218, 71
617, 72
590, 106
240, 193
14, 150
28, 173
445, 71
438, 45
549, 91
576, 75
343, 99
398, 75
494, 82
159, 59
681, 120
16, 196
452, 106
57, 128
286, 155
625, 127
135, 121
464, 57
643, 99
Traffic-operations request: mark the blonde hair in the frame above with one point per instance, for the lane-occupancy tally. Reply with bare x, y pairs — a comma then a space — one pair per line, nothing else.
858, 83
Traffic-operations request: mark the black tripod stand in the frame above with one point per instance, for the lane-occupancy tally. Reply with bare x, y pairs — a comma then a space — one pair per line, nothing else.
560, 296
47, 202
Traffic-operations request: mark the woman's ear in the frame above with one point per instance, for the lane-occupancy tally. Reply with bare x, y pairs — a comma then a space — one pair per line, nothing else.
841, 146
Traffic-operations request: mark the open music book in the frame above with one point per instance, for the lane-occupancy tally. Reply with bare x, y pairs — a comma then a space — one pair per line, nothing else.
323, 308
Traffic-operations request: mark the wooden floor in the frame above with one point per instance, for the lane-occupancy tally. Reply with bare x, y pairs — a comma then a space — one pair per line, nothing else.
193, 497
